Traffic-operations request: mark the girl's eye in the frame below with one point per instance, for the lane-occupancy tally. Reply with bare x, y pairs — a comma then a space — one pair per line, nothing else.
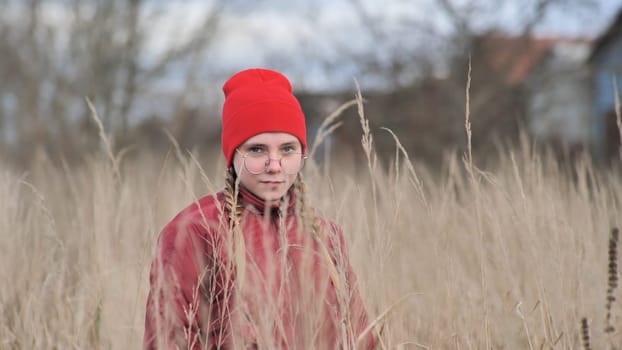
288, 149
255, 149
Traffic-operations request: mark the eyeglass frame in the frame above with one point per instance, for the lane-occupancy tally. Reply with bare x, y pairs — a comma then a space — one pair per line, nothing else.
244, 155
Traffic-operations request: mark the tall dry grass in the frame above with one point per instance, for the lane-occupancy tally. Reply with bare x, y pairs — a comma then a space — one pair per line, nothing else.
513, 256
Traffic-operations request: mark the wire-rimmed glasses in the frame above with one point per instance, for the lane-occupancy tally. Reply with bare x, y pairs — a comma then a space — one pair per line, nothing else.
257, 163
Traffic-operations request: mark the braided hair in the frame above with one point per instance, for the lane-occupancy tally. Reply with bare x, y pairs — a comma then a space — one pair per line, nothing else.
234, 211
310, 224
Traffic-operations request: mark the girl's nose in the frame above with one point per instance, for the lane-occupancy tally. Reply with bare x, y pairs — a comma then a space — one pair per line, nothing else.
274, 165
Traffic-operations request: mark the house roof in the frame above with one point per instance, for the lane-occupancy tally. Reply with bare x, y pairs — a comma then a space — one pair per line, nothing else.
614, 31
516, 56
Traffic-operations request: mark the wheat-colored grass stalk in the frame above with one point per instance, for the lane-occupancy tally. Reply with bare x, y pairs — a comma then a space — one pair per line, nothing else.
367, 140
618, 113
382, 315
467, 120
104, 138
525, 324
585, 334
328, 126
414, 180
468, 160
612, 281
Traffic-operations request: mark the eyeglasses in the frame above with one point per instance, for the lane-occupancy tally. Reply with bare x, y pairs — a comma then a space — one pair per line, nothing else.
257, 163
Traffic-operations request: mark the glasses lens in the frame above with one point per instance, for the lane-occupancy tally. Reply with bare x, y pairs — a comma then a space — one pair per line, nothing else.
292, 163
255, 164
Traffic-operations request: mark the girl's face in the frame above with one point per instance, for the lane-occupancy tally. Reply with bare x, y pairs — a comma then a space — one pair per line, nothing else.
267, 164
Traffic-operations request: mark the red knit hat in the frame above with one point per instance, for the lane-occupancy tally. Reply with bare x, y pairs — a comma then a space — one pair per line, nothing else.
259, 100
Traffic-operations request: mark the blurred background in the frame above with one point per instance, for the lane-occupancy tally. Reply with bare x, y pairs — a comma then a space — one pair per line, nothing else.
545, 67
78, 234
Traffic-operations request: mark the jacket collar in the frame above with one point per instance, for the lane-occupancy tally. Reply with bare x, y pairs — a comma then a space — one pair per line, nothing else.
249, 199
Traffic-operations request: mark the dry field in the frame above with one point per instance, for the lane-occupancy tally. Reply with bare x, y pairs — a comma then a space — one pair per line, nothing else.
510, 257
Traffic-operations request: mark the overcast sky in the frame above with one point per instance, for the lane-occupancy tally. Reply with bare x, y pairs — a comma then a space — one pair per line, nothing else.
303, 36
267, 30
263, 31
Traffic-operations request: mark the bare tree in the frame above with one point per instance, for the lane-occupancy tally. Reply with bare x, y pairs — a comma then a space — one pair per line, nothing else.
496, 102
55, 53
466, 20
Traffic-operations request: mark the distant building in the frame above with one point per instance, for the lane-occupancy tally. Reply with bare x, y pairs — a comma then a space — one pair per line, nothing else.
551, 74
559, 95
541, 83
605, 62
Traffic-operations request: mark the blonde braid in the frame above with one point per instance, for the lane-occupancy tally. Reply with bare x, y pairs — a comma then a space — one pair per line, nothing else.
234, 210
311, 224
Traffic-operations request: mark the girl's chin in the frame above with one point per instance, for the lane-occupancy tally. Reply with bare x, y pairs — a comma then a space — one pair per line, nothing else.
271, 197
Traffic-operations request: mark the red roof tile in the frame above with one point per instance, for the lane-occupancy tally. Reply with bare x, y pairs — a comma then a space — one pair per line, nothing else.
516, 57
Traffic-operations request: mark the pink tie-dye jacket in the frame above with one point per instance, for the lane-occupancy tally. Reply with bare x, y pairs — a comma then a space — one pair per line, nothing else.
286, 301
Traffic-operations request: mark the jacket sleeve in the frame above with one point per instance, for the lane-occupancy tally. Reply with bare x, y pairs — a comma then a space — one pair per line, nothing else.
181, 295
358, 317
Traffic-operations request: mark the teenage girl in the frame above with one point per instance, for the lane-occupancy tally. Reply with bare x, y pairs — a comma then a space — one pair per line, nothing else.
252, 266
